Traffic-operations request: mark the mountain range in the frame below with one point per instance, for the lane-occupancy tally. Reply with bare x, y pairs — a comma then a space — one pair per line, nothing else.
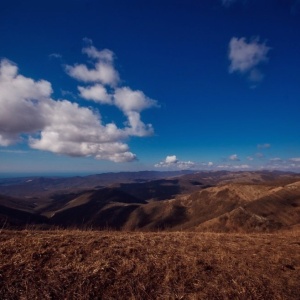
220, 201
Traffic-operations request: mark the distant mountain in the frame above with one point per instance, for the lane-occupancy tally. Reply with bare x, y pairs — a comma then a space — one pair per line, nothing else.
43, 187
219, 201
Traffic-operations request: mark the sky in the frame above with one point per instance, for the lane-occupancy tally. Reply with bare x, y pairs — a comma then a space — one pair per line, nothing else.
92, 86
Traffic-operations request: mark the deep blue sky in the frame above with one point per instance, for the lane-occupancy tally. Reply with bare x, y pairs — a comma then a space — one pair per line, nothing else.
177, 53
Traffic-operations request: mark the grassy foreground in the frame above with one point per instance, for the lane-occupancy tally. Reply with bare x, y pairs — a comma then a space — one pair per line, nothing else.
121, 265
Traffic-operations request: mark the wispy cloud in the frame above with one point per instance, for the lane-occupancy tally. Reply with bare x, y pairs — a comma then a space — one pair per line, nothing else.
295, 159
233, 167
55, 55
245, 57
241, 167
64, 127
276, 159
277, 163
263, 146
13, 151
259, 155
234, 157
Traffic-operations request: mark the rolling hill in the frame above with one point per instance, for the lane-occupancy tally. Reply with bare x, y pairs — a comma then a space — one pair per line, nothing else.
201, 201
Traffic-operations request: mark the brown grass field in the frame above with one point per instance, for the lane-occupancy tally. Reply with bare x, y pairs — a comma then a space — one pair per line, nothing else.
155, 265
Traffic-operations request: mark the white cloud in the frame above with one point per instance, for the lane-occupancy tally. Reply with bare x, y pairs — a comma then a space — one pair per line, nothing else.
97, 93
240, 167
245, 57
233, 157
128, 100
223, 166
136, 126
77, 131
171, 161
263, 146
233, 167
103, 70
22, 103
295, 159
64, 127
292, 164
132, 103
276, 159
105, 55
250, 158
184, 165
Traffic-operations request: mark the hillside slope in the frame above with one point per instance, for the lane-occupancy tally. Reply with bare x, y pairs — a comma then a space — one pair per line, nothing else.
204, 201
231, 207
102, 208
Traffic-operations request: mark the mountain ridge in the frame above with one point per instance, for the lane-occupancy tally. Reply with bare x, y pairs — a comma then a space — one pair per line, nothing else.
219, 201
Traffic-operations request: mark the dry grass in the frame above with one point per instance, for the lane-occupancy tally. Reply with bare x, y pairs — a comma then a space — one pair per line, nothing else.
162, 265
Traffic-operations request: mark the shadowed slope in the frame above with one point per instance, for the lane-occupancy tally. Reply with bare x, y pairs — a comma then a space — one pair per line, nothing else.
101, 208
13, 218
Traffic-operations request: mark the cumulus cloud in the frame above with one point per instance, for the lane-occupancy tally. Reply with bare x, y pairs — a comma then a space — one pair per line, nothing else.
130, 102
263, 146
245, 57
22, 103
29, 112
136, 126
233, 157
103, 70
171, 161
97, 93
